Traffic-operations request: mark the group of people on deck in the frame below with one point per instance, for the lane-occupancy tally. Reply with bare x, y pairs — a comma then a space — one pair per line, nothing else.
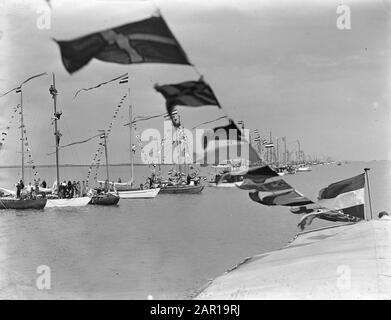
30, 191
72, 189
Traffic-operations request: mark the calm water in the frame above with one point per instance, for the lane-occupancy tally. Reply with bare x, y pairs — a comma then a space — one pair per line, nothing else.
167, 247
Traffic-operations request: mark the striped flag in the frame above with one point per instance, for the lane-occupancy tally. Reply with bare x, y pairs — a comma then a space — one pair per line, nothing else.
124, 80
346, 195
145, 41
268, 144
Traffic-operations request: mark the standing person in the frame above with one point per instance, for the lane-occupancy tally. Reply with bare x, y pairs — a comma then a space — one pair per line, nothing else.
78, 185
43, 184
83, 190
18, 189
119, 180
69, 189
74, 189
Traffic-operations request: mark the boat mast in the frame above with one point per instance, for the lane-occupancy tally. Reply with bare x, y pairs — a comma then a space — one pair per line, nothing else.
298, 152
107, 159
285, 153
130, 137
22, 130
53, 92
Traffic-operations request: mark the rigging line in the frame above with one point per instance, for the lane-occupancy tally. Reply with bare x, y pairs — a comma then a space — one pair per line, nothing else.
28, 79
144, 118
206, 122
100, 84
76, 142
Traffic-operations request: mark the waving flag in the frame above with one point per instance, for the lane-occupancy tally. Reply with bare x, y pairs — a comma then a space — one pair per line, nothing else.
252, 177
346, 195
189, 93
283, 198
148, 40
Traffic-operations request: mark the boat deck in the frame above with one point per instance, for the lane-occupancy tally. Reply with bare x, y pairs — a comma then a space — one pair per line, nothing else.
351, 261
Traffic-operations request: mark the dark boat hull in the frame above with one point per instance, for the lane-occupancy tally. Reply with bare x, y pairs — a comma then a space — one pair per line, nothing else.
105, 200
183, 189
23, 204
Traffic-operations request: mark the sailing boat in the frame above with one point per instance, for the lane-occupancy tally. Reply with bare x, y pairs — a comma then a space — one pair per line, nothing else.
61, 202
126, 190
178, 187
11, 201
106, 198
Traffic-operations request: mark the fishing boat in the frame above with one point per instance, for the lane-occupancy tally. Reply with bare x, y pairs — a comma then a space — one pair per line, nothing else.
139, 193
55, 201
127, 190
19, 204
181, 188
229, 181
303, 168
225, 180
105, 197
9, 200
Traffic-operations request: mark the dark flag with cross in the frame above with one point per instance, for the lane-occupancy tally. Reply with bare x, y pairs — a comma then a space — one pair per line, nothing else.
148, 40
189, 94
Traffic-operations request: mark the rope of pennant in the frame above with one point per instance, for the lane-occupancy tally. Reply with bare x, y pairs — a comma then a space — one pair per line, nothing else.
93, 169
4, 133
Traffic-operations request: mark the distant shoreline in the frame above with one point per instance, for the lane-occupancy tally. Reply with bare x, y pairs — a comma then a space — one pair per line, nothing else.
127, 164
71, 165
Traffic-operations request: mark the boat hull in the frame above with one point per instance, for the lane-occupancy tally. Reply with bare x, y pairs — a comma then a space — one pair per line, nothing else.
18, 204
105, 200
72, 202
226, 184
139, 194
181, 189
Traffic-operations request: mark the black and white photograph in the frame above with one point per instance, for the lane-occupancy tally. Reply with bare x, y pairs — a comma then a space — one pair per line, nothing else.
198, 150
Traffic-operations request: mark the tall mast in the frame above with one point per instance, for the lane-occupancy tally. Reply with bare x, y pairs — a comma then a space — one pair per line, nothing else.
53, 92
285, 152
107, 159
130, 137
22, 130
298, 152
271, 149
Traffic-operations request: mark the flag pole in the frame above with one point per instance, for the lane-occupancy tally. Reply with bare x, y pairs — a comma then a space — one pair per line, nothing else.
130, 136
369, 191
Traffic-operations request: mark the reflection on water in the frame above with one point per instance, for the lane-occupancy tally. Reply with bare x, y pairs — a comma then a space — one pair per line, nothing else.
167, 247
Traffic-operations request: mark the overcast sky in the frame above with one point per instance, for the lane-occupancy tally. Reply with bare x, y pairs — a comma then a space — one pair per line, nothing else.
280, 66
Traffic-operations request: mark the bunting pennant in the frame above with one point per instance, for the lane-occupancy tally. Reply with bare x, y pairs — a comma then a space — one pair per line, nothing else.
99, 152
146, 41
189, 93
4, 133
289, 198
121, 77
253, 177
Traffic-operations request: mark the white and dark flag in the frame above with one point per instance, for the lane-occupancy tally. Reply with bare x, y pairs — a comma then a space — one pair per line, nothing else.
346, 195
